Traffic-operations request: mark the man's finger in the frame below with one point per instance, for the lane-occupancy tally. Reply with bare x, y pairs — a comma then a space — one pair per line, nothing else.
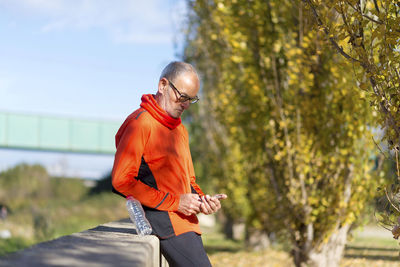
196, 210
196, 206
207, 208
216, 202
212, 205
203, 208
213, 202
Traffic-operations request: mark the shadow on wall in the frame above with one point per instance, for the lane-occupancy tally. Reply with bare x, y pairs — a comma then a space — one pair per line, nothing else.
106, 245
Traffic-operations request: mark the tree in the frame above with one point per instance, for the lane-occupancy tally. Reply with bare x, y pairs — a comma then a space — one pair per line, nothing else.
367, 33
287, 131
22, 183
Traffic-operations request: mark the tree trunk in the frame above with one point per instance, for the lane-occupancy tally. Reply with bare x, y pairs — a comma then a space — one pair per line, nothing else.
227, 223
329, 253
234, 230
257, 239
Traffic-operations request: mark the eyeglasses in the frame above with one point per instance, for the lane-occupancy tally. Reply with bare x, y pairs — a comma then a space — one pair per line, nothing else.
182, 97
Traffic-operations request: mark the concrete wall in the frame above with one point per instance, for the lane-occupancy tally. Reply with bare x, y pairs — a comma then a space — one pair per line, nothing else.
111, 244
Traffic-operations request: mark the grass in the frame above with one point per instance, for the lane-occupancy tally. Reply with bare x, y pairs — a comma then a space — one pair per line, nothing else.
372, 251
13, 244
361, 251
216, 243
224, 252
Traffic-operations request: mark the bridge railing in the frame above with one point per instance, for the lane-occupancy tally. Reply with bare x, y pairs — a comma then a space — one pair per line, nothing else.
50, 133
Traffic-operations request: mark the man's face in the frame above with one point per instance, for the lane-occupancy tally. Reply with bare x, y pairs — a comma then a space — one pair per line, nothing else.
187, 84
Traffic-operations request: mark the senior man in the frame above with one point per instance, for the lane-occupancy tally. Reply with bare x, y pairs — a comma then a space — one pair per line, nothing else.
154, 165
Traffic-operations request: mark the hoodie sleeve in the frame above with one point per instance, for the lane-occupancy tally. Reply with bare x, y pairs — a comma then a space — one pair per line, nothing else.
130, 141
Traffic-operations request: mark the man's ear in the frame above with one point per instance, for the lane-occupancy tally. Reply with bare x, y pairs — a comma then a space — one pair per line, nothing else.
162, 86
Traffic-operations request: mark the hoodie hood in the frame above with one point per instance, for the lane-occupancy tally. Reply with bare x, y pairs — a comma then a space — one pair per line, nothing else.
150, 104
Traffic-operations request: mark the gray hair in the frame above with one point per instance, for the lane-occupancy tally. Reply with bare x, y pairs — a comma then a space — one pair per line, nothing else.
175, 69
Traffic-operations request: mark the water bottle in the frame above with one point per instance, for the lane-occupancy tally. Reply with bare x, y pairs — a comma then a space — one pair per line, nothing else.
136, 213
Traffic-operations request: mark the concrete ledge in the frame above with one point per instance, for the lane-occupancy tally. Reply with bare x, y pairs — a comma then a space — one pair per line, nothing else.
110, 244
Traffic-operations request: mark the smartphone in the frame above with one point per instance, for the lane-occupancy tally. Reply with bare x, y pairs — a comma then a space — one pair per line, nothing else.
217, 196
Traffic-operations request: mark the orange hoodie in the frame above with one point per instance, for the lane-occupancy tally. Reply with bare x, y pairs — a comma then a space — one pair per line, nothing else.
153, 164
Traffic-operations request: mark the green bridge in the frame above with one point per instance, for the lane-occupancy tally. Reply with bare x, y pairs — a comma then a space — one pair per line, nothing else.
50, 133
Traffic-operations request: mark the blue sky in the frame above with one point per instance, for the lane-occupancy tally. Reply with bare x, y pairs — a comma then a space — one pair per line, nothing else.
82, 58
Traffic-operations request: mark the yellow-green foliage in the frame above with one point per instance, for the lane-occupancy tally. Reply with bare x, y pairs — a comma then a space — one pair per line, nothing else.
22, 184
289, 134
367, 33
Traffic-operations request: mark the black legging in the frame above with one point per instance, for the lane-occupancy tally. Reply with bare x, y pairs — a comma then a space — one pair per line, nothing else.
185, 250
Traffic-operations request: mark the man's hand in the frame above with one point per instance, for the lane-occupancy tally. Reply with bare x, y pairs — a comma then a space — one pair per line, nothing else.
189, 204
211, 205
